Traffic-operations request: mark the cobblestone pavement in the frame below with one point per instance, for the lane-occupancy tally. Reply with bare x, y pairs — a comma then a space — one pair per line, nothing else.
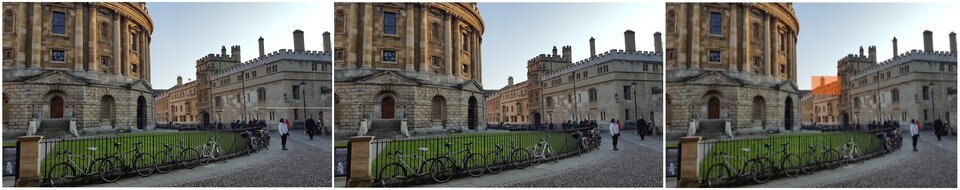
637, 164
933, 166
307, 167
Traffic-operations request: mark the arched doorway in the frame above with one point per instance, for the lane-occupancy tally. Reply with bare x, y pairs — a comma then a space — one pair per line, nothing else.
713, 108
536, 118
141, 112
205, 118
438, 109
472, 113
788, 114
759, 111
56, 107
387, 106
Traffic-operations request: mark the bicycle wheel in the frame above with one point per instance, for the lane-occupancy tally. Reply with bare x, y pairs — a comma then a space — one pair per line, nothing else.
550, 154
111, 169
205, 157
392, 175
536, 157
789, 164
496, 162
165, 162
60, 175
831, 159
442, 169
716, 175
143, 163
761, 170
475, 164
190, 158
520, 158
809, 162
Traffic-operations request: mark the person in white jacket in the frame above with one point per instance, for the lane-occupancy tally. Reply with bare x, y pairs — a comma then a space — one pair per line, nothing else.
284, 132
914, 132
615, 132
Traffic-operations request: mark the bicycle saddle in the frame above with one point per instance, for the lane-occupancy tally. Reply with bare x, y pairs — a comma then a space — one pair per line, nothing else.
767, 145
92, 148
166, 145
745, 149
498, 146
117, 144
66, 152
448, 145
468, 143
136, 143
423, 149
811, 146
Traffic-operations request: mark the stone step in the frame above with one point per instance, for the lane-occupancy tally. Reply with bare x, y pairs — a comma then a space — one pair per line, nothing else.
386, 128
712, 129
54, 128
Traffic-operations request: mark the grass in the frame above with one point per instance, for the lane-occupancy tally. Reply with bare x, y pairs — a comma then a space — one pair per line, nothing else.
483, 143
152, 143
10, 144
798, 144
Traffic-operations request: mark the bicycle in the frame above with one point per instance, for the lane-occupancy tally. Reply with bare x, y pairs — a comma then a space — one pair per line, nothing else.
812, 160
143, 163
500, 161
471, 162
66, 171
583, 144
210, 151
788, 163
723, 172
543, 151
850, 152
400, 171
166, 157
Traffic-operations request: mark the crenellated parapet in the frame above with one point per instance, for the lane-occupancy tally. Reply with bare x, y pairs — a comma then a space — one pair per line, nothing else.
614, 54
912, 55
282, 54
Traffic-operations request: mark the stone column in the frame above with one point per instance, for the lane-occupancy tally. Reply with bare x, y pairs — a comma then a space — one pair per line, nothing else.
360, 162
695, 38
20, 55
367, 36
424, 37
78, 36
144, 74
732, 37
793, 58
409, 60
350, 44
455, 34
767, 54
447, 40
689, 162
36, 53
474, 60
747, 42
29, 161
116, 43
94, 39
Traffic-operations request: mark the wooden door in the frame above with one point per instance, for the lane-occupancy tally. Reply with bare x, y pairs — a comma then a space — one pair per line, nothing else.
387, 108
56, 107
713, 108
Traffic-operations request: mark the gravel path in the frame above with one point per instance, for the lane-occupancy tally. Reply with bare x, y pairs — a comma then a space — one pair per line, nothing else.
304, 165
632, 166
932, 166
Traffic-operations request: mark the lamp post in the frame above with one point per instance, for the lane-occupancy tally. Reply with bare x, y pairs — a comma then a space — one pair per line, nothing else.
633, 87
243, 94
303, 92
934, 100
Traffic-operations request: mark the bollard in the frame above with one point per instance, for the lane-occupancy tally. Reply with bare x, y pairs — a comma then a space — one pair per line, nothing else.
689, 162
360, 162
29, 174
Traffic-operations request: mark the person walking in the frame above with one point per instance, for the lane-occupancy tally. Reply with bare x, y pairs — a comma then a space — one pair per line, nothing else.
284, 132
311, 127
642, 128
615, 133
914, 132
938, 128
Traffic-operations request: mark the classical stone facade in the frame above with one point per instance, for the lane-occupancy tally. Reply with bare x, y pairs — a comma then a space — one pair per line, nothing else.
292, 84
412, 63
824, 102
731, 67
917, 84
83, 66
617, 84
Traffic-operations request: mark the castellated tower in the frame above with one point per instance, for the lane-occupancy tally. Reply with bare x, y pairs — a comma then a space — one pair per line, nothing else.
235, 52
567, 53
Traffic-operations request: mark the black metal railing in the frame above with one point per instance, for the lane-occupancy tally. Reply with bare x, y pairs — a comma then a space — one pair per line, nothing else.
806, 153
382, 150
87, 149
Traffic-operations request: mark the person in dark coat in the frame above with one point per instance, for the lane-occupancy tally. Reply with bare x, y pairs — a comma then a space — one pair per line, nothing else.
642, 128
938, 128
311, 127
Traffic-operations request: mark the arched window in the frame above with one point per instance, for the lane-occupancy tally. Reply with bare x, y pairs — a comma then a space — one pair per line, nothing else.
9, 19
341, 22
435, 32
438, 106
106, 107
758, 108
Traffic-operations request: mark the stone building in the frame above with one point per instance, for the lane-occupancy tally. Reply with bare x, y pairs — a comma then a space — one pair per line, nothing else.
824, 102
731, 68
601, 87
178, 105
917, 84
76, 67
408, 67
290, 84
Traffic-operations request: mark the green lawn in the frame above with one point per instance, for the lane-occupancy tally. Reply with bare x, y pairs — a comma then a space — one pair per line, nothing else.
483, 143
151, 143
798, 144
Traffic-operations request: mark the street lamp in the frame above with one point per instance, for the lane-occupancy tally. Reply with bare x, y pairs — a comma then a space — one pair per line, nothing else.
934, 100
303, 92
633, 86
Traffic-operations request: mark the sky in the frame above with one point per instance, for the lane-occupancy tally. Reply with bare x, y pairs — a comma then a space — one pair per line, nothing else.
185, 32
830, 31
517, 32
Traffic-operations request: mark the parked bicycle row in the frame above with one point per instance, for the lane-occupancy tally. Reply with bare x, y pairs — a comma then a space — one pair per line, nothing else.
437, 160
757, 160
107, 159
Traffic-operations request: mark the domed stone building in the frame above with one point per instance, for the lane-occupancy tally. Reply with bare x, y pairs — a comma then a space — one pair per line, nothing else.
406, 68
76, 68
731, 68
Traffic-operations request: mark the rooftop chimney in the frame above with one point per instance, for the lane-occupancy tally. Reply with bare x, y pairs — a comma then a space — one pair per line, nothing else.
593, 48
326, 42
872, 53
953, 43
629, 41
179, 80
223, 51
567, 53
895, 47
297, 40
927, 41
657, 44
509, 81
554, 51
861, 51
260, 41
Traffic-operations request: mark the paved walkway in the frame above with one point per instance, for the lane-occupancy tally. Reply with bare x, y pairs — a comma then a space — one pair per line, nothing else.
306, 164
